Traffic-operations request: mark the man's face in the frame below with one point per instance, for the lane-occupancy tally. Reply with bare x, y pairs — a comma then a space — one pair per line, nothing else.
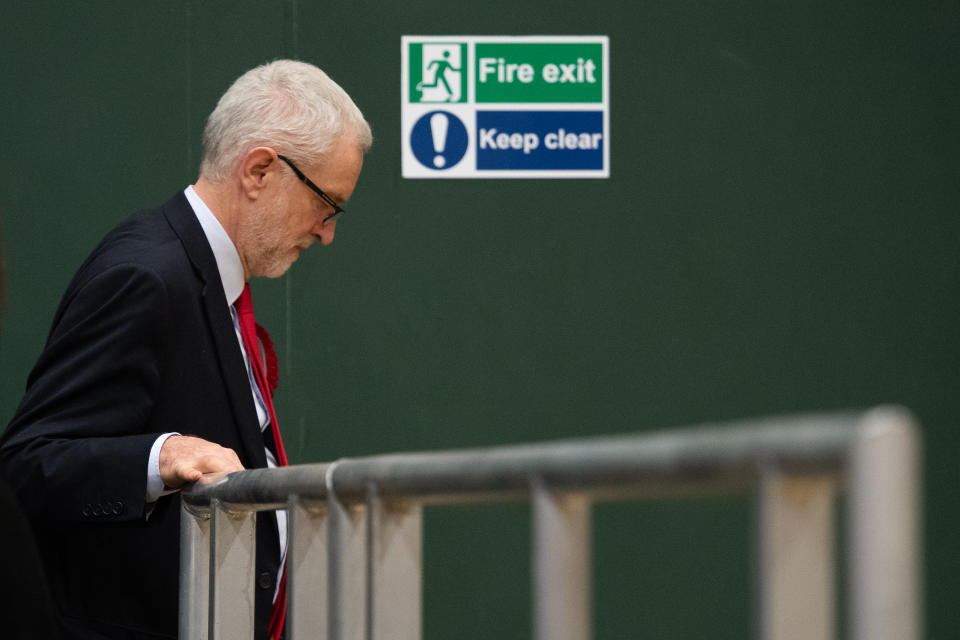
289, 217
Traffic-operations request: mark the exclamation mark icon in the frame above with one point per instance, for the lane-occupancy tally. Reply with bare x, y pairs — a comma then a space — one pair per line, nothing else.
438, 128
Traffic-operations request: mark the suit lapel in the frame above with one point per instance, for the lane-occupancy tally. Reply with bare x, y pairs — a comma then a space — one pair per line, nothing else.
184, 223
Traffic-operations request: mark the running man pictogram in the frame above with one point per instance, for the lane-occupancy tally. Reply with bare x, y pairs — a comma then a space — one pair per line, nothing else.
440, 75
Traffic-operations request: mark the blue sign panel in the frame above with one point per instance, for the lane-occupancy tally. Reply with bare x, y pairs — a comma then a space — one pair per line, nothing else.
540, 140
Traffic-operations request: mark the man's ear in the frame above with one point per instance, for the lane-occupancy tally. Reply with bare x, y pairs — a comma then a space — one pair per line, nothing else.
257, 169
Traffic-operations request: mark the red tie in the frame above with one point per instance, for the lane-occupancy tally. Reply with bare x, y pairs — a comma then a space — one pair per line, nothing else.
250, 331
266, 377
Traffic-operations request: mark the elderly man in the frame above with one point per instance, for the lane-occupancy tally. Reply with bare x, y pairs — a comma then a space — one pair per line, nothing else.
152, 373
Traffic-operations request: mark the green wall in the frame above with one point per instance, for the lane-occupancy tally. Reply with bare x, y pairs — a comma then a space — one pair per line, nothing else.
779, 234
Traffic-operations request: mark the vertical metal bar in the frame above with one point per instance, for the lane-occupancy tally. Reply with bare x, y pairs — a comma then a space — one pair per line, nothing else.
307, 597
561, 565
396, 569
194, 575
885, 514
232, 569
347, 571
797, 576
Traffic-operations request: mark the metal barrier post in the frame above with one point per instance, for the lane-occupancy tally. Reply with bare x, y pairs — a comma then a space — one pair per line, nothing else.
797, 586
194, 575
396, 569
232, 570
347, 570
561, 565
307, 597
885, 529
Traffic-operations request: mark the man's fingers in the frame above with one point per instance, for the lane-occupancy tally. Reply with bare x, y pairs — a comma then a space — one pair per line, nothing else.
189, 474
185, 458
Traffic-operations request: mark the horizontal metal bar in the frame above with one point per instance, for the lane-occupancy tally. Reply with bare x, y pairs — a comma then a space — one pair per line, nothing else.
702, 457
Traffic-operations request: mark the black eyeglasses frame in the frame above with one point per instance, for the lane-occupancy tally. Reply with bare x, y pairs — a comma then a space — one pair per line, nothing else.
337, 209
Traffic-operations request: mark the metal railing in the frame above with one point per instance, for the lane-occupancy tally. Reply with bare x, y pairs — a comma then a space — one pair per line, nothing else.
354, 554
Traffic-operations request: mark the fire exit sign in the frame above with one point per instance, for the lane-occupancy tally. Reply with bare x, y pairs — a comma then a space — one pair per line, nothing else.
505, 107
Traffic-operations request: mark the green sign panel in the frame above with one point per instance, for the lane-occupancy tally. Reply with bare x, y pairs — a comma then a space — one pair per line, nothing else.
539, 72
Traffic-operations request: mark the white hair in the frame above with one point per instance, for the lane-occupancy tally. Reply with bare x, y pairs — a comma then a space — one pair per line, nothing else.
289, 105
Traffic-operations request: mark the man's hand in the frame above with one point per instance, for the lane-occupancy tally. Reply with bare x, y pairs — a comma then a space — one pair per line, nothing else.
185, 458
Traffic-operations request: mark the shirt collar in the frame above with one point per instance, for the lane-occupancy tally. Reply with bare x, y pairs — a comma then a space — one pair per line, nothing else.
224, 251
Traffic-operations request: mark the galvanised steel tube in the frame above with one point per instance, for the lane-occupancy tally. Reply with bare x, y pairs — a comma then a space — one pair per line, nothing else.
708, 456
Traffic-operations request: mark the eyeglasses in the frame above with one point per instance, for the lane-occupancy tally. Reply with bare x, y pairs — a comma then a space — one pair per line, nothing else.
337, 210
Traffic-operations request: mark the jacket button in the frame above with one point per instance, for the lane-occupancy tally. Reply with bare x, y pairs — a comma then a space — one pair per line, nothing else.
117, 508
87, 511
265, 580
97, 510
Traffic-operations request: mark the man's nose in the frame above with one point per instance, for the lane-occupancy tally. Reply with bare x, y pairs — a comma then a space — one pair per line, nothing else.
326, 232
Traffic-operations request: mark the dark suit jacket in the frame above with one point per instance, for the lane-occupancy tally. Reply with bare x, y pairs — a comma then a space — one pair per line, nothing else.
142, 344
26, 610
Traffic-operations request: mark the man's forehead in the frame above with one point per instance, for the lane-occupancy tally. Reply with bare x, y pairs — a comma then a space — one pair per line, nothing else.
337, 173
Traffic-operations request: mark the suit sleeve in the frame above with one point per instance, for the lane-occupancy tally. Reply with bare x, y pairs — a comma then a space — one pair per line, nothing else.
78, 446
